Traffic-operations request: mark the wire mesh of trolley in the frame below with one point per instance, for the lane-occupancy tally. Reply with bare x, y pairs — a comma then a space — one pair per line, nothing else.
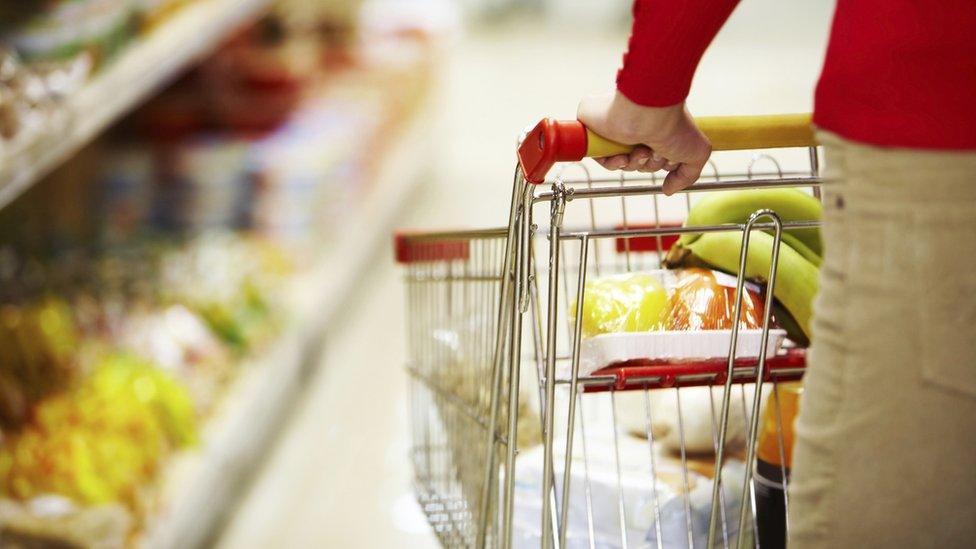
520, 437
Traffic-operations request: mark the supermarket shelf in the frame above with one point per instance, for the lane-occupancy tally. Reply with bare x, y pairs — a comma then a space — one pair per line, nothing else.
145, 66
202, 486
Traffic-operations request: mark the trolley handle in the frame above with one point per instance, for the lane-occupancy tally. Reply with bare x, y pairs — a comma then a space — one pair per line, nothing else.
552, 141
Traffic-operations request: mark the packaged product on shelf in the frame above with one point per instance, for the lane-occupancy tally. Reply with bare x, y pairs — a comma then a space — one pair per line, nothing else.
116, 378
124, 196
131, 301
254, 82
202, 185
306, 173
179, 341
196, 176
30, 99
63, 29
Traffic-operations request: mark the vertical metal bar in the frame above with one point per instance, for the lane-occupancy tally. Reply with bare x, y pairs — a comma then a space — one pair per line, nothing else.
573, 382
428, 366
657, 224
565, 288
591, 204
514, 367
727, 390
505, 308
557, 208
815, 169
721, 494
539, 354
684, 469
621, 508
650, 446
525, 258
623, 214
747, 485
587, 489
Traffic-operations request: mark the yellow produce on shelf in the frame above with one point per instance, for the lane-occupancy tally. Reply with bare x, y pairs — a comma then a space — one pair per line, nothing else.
39, 342
103, 440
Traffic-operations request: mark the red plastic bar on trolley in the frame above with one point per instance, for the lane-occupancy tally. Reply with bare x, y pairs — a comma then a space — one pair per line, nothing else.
647, 243
663, 373
415, 250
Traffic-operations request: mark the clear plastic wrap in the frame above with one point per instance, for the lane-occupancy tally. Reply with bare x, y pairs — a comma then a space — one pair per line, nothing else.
674, 300
631, 302
702, 299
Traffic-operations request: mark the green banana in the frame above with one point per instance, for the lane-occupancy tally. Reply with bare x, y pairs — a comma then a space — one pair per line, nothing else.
736, 207
796, 280
800, 248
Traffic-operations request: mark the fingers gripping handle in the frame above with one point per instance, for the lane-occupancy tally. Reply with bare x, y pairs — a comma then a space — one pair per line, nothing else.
552, 141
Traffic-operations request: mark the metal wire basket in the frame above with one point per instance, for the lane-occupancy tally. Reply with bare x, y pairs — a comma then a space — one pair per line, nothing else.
545, 456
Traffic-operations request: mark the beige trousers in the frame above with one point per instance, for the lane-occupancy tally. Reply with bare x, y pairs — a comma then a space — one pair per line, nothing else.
885, 450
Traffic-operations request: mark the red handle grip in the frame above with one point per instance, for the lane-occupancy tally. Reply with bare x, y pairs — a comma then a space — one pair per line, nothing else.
551, 141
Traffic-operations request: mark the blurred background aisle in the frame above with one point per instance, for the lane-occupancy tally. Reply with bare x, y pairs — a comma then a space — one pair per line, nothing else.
202, 325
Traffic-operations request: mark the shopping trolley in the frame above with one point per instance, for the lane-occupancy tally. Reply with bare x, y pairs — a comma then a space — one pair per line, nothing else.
547, 458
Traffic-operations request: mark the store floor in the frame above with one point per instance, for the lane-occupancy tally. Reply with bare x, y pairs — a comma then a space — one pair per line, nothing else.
339, 475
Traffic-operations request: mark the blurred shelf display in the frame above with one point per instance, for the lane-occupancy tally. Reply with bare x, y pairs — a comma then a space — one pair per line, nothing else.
164, 293
170, 36
202, 485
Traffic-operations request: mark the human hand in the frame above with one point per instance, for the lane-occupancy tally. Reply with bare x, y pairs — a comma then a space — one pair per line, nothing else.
666, 138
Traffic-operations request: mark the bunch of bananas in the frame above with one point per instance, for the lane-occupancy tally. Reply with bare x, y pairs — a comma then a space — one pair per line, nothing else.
799, 256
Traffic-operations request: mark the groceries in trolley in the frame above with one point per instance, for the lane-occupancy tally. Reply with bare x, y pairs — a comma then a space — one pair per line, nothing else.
799, 252
667, 314
640, 335
628, 498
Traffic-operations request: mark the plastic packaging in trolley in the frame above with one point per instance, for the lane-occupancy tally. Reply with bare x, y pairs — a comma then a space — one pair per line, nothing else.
666, 314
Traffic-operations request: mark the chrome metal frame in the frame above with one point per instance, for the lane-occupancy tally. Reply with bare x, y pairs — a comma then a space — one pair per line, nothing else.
479, 512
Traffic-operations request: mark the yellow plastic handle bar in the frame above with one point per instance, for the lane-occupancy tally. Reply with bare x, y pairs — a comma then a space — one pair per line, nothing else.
731, 133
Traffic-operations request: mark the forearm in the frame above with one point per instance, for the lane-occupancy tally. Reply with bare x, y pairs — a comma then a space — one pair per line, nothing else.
666, 44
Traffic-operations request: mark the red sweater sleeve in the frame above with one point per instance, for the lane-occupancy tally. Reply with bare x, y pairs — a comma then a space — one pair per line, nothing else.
668, 40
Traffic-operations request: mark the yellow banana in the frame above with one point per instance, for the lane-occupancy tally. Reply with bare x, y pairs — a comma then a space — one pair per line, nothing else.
796, 280
736, 207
